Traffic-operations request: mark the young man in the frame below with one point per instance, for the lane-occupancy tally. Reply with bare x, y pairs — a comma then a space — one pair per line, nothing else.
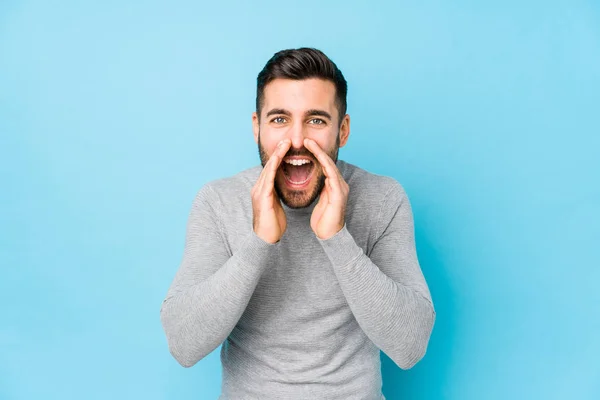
304, 267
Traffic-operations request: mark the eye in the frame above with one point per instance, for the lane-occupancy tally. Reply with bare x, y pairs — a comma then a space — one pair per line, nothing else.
317, 121
278, 120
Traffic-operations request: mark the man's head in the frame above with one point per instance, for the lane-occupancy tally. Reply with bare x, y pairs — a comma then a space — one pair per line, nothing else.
300, 94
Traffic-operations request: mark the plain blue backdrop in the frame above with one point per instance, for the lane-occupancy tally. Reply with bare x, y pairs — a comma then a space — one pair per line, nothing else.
113, 114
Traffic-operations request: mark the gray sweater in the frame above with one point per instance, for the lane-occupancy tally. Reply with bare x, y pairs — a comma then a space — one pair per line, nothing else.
303, 318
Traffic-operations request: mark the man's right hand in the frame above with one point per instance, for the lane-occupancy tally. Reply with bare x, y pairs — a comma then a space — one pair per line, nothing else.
268, 218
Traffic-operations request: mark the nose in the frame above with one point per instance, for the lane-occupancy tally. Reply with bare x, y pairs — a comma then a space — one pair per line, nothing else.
296, 134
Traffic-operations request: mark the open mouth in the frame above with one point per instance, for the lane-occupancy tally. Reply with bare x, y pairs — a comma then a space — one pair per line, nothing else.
297, 171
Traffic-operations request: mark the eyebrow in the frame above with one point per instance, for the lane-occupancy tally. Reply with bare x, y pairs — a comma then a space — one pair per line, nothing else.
312, 112
320, 113
278, 111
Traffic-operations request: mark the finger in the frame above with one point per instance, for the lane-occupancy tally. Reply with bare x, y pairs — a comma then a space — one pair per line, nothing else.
326, 161
322, 203
269, 164
329, 168
274, 162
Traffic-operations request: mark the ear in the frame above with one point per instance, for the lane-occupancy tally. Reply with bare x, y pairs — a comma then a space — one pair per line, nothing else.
344, 130
255, 126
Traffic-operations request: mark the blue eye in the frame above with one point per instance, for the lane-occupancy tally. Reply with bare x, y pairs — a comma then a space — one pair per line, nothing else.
317, 121
278, 120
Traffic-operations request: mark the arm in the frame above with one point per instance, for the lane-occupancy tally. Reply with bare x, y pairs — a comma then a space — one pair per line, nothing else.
211, 289
387, 292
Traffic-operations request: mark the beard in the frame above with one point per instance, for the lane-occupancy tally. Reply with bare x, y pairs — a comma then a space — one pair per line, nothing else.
301, 198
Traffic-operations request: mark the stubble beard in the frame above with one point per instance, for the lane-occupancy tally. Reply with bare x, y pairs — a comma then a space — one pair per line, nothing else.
300, 198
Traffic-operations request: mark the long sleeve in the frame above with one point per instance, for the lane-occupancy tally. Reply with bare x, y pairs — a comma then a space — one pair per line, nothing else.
211, 289
386, 290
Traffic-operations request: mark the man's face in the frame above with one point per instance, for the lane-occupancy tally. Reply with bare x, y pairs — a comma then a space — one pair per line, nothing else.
299, 109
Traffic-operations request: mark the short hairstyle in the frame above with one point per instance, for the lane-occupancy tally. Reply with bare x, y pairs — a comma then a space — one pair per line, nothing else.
298, 64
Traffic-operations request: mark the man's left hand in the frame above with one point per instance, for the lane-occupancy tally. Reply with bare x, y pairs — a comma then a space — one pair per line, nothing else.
328, 218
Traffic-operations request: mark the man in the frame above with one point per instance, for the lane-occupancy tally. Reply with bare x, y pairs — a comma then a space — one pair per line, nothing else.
303, 268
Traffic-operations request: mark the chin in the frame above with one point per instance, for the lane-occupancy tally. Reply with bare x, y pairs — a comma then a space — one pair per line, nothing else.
296, 200
300, 198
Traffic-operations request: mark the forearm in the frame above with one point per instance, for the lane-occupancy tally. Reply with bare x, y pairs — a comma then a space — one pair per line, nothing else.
198, 316
398, 318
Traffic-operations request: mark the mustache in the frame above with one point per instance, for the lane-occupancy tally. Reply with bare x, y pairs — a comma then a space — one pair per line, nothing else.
301, 153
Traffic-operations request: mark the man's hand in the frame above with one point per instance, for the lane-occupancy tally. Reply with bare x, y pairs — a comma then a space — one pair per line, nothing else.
268, 217
328, 216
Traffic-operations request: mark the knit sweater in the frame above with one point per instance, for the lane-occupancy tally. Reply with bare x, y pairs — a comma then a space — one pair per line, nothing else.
303, 318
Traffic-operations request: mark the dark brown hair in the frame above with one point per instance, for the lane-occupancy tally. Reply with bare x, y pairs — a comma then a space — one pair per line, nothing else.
298, 64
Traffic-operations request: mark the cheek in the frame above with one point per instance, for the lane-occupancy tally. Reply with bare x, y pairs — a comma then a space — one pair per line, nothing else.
327, 145
268, 141
325, 139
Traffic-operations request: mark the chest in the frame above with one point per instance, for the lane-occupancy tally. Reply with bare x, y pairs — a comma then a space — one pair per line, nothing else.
298, 288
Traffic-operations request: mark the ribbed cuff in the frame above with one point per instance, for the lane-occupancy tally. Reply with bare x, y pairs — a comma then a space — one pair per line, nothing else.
341, 248
255, 251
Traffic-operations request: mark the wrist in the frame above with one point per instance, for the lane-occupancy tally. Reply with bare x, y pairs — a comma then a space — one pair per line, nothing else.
330, 233
341, 248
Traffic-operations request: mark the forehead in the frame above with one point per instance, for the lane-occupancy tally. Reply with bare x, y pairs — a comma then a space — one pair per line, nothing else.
299, 95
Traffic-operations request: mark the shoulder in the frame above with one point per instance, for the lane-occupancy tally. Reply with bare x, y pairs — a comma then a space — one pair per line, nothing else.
371, 189
231, 188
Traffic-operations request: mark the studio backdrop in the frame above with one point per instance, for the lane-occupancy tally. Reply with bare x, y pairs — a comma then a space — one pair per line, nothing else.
113, 114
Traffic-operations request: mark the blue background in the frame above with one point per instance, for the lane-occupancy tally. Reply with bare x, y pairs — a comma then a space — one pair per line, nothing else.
113, 114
